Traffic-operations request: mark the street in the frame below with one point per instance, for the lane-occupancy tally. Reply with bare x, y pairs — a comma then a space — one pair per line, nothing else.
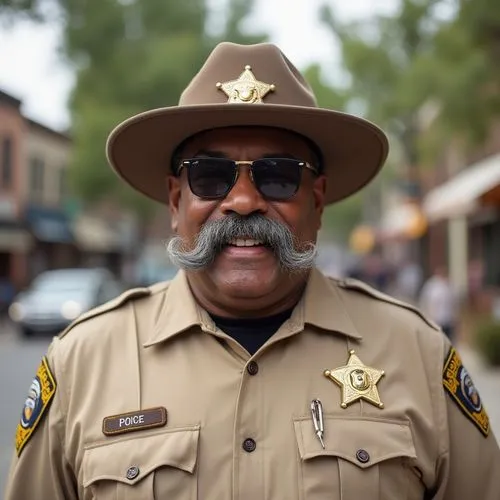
19, 360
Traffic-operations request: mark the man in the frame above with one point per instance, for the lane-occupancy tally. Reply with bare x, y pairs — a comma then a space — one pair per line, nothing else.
440, 302
408, 281
250, 375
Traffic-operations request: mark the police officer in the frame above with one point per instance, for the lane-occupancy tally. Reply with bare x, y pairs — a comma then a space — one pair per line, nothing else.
251, 375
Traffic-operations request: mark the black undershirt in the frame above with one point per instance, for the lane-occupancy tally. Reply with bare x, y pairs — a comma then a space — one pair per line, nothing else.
251, 333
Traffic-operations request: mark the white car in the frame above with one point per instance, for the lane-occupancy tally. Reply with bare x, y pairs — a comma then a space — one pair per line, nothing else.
55, 298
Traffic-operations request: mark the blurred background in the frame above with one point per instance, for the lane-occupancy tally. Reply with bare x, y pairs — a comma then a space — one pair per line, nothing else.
426, 231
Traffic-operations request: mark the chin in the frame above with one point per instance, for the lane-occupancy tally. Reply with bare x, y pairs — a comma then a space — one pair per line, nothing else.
247, 284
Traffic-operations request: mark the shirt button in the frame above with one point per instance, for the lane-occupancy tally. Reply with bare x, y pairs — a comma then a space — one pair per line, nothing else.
132, 472
363, 456
253, 368
249, 445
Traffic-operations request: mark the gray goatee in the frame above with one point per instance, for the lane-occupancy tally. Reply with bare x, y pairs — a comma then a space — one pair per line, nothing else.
215, 235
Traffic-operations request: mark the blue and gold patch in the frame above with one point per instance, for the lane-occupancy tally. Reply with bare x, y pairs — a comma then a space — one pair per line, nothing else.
458, 383
40, 394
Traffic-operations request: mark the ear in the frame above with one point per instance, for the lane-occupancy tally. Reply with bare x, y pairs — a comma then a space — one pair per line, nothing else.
174, 199
319, 192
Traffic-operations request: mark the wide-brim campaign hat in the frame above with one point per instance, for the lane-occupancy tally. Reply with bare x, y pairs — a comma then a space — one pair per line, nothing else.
247, 85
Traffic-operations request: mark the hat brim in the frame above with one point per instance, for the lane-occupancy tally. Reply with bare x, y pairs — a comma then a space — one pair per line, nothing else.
140, 149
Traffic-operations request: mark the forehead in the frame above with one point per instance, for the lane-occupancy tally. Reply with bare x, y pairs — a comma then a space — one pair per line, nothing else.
265, 139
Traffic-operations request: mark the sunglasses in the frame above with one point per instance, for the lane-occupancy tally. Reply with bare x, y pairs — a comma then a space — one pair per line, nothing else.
276, 179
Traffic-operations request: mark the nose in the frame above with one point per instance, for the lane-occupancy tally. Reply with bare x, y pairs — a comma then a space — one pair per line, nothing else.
244, 198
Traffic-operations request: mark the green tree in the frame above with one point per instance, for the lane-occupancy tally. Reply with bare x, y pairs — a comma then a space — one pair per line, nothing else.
128, 56
340, 218
466, 73
383, 59
385, 62
399, 64
430, 55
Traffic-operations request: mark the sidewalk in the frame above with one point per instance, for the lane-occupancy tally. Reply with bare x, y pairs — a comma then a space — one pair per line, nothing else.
487, 381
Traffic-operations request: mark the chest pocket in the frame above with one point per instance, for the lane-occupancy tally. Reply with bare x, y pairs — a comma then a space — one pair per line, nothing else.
160, 465
362, 459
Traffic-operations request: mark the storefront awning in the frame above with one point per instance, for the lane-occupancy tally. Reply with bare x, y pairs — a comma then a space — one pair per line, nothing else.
461, 195
49, 225
94, 235
14, 239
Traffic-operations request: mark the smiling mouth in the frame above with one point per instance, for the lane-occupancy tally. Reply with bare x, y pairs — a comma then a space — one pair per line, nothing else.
245, 242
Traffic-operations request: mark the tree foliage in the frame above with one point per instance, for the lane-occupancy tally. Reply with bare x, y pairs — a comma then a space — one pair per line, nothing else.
466, 69
428, 52
339, 219
428, 74
383, 58
129, 56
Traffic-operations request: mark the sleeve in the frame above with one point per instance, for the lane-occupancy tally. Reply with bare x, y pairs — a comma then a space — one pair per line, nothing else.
39, 469
470, 466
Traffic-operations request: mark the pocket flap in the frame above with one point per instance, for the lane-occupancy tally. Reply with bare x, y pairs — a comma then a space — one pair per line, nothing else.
364, 442
132, 459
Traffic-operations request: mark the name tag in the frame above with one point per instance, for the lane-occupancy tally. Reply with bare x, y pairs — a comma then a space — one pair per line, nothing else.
134, 421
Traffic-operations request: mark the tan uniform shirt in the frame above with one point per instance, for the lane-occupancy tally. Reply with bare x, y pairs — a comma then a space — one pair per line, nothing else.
239, 427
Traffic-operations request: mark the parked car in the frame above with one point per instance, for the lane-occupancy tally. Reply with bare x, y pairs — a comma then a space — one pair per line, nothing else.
55, 298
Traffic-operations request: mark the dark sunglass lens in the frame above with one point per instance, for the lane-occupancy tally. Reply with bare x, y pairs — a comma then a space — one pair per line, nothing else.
211, 177
277, 178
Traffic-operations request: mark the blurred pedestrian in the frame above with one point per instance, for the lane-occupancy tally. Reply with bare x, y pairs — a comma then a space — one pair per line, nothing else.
408, 281
375, 272
251, 375
476, 285
439, 301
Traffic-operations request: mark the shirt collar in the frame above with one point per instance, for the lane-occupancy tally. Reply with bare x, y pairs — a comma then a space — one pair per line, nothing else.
321, 305
178, 313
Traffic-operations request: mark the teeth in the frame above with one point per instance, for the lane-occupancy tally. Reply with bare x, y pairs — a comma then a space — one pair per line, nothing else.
240, 242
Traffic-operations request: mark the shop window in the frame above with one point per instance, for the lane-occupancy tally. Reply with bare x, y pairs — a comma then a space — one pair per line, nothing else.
63, 184
492, 251
6, 173
37, 169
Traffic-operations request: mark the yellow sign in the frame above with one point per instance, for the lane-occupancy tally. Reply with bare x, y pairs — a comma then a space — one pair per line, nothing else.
417, 224
405, 221
362, 240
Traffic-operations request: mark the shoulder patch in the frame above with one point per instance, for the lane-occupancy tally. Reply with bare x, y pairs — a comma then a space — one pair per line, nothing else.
458, 383
354, 284
108, 306
40, 395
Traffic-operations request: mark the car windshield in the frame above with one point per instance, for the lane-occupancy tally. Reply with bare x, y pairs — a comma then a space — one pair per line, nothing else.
64, 281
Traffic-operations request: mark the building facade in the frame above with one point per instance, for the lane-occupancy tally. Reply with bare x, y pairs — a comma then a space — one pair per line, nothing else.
463, 210
45, 194
15, 239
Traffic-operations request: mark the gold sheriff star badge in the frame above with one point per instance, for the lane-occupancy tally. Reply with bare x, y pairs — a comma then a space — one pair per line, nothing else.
357, 381
246, 89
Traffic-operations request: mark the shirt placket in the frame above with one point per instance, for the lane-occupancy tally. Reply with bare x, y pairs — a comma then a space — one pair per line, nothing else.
248, 437
249, 429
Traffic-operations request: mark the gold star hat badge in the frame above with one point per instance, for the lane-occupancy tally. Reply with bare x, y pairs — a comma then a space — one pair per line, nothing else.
246, 89
357, 381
